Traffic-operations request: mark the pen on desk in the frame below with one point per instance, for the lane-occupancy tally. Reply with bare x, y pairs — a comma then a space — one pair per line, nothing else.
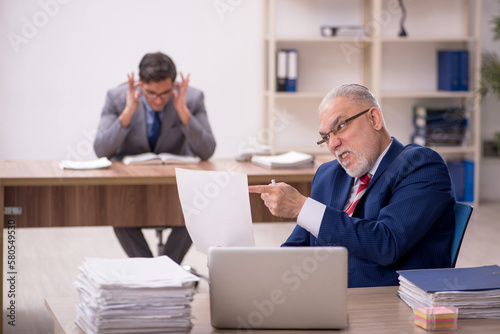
273, 182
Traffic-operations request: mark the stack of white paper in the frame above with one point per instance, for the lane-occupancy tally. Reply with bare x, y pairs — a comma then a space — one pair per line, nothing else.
134, 295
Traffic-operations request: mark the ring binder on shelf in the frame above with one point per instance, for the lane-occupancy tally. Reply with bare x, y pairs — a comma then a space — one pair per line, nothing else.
286, 70
281, 68
292, 69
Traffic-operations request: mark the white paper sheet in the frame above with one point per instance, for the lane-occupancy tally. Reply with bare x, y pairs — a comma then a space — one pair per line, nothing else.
216, 208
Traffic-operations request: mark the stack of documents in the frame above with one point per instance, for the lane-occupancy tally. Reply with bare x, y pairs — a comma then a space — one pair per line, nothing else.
292, 159
474, 291
134, 295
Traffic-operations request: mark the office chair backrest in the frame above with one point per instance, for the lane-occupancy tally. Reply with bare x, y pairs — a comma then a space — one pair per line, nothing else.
462, 216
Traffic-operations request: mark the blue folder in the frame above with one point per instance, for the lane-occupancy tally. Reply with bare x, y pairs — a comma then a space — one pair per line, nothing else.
455, 279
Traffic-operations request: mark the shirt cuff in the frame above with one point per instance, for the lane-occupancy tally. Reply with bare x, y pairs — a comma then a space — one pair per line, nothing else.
311, 215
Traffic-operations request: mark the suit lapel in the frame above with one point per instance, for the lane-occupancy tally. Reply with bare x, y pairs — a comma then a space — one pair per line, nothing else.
392, 153
142, 127
339, 196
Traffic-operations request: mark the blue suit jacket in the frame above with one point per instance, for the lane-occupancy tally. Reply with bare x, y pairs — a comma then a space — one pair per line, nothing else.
405, 219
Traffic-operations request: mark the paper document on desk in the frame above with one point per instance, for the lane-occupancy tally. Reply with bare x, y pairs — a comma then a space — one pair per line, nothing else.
216, 208
87, 164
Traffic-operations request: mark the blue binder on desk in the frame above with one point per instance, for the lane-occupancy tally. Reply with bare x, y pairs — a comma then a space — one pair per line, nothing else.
454, 279
474, 291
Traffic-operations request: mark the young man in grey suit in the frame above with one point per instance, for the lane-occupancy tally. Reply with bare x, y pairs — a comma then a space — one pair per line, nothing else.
155, 114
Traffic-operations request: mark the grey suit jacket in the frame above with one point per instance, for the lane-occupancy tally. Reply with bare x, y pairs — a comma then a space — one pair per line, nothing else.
114, 142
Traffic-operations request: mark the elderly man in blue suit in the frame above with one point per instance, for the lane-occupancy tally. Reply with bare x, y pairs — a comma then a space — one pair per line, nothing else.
155, 114
391, 206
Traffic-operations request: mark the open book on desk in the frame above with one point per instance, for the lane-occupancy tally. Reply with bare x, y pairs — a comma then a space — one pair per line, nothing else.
292, 159
159, 159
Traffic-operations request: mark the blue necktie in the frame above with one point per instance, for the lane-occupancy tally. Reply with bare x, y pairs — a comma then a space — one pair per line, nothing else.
155, 130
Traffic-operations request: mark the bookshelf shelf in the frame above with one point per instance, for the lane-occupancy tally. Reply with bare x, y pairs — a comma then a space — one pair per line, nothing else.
302, 39
428, 39
297, 95
426, 94
453, 149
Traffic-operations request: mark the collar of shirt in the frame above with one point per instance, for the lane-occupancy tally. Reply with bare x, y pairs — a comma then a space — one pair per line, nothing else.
150, 113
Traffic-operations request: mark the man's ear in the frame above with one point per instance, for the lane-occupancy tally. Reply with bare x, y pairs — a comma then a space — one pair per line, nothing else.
375, 115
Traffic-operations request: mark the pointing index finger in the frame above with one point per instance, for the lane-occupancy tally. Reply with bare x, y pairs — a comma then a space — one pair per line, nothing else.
260, 189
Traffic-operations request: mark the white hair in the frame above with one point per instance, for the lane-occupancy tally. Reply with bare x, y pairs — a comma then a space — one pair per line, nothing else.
354, 92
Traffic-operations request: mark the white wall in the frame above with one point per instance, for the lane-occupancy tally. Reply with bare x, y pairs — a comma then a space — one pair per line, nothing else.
58, 58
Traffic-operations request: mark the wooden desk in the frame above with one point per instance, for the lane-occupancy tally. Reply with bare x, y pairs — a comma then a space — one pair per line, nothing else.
120, 195
370, 310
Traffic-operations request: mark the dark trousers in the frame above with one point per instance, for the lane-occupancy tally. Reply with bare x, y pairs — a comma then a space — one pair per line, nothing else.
135, 245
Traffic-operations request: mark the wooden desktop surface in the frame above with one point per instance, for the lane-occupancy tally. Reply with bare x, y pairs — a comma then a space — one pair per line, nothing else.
370, 310
121, 195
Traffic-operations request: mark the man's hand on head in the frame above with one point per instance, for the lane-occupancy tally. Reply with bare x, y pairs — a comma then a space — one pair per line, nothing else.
132, 101
180, 99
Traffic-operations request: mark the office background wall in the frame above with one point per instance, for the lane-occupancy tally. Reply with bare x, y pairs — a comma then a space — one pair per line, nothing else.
59, 57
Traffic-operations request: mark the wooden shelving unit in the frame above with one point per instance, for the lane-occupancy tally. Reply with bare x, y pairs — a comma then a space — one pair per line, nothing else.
398, 83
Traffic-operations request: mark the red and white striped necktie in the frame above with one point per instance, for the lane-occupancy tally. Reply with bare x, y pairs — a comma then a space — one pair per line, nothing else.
365, 180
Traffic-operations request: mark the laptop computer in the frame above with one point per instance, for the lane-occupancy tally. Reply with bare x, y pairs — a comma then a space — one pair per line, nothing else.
286, 288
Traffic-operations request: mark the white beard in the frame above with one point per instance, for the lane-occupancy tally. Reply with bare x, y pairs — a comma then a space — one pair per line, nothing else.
360, 168
365, 158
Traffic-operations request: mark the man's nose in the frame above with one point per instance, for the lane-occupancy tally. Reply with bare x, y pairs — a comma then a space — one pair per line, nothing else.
333, 143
